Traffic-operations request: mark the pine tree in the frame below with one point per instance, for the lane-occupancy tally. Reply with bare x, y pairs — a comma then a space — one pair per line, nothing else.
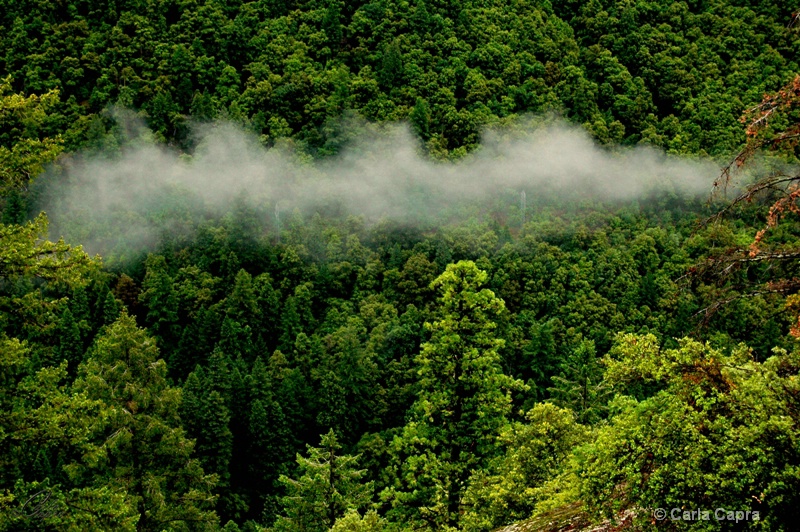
110, 309
241, 304
463, 402
79, 306
206, 419
142, 450
580, 385
328, 486
296, 316
349, 394
158, 295
236, 339
420, 117
70, 346
268, 300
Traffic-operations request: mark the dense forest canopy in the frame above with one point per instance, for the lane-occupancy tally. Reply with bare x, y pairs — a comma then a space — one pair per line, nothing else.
418, 265
674, 74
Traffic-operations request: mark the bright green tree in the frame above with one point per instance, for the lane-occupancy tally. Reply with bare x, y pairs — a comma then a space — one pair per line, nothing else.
721, 432
464, 401
355, 522
328, 486
23, 253
536, 452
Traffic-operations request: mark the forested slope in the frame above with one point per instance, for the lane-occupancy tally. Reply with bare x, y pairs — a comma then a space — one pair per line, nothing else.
674, 74
573, 359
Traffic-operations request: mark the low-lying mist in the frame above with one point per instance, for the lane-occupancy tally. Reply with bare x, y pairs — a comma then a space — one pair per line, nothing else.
135, 196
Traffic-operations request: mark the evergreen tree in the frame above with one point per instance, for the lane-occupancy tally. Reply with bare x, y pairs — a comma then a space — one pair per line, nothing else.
353, 522
332, 24
536, 452
158, 295
206, 418
236, 339
268, 300
420, 117
110, 309
143, 451
242, 304
328, 486
14, 210
463, 402
70, 346
580, 386
79, 305
350, 396
296, 316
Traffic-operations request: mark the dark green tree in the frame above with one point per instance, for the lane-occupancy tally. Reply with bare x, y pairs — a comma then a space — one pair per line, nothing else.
142, 449
158, 296
580, 385
69, 347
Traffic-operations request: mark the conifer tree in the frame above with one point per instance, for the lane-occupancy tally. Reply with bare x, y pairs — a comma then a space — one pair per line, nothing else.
79, 306
206, 418
580, 385
268, 301
143, 451
296, 316
158, 295
463, 402
110, 309
329, 484
241, 304
70, 346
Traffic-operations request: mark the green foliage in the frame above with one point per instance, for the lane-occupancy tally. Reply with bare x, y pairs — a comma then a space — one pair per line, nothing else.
22, 253
328, 486
142, 449
44, 424
676, 75
159, 298
23, 153
463, 402
720, 433
580, 386
353, 522
412, 344
536, 452
267, 360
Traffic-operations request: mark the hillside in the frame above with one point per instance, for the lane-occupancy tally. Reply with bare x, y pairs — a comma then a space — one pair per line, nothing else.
674, 74
401, 265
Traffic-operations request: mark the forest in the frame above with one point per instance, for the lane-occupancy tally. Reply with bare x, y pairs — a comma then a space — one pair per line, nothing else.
417, 265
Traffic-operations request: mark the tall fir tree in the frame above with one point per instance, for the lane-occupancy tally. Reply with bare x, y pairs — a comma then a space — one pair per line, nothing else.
329, 484
463, 402
158, 296
142, 450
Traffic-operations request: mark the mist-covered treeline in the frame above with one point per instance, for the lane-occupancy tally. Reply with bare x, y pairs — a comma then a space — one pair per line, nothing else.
327, 266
